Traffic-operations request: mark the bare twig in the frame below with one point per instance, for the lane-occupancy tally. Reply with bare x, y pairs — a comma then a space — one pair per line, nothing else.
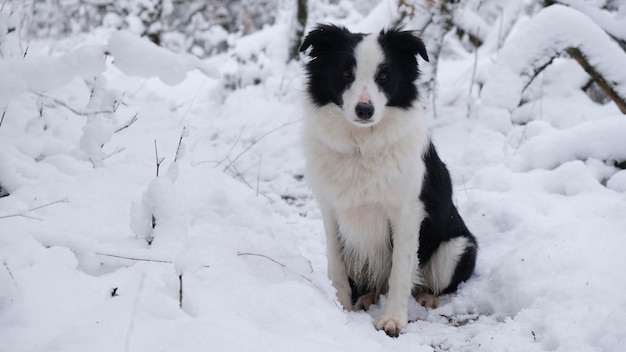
180, 291
472, 82
232, 146
128, 124
25, 213
10, 274
193, 100
76, 112
521, 139
538, 71
137, 259
239, 176
3, 114
258, 175
131, 323
257, 141
180, 142
115, 152
283, 266
134, 258
158, 161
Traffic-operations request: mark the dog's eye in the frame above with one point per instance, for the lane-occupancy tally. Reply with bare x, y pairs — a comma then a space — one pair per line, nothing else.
382, 76
347, 73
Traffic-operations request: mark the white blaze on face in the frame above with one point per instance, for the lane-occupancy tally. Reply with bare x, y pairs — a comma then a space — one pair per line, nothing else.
369, 56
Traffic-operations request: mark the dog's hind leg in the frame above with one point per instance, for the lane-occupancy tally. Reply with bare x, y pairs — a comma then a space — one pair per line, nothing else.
365, 301
427, 299
452, 263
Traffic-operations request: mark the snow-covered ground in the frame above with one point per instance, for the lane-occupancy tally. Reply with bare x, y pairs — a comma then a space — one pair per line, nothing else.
236, 225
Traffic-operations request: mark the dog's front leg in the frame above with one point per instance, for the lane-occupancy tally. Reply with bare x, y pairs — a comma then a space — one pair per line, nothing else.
404, 268
336, 267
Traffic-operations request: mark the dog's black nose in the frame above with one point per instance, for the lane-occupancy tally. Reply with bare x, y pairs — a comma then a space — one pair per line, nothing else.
364, 111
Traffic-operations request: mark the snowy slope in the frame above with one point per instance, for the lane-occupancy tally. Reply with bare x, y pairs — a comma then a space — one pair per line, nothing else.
236, 224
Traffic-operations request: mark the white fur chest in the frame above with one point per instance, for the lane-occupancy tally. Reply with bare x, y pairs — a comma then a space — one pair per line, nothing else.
362, 176
348, 166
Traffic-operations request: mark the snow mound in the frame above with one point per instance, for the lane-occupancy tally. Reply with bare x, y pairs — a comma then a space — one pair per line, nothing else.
601, 139
39, 74
139, 57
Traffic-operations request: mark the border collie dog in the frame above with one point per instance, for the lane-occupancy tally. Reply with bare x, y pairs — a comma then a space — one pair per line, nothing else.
385, 196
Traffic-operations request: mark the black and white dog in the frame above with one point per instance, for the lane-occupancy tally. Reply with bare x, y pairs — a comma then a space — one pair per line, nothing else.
385, 196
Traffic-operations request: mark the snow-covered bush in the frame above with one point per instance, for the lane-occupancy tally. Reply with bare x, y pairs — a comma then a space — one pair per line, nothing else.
175, 24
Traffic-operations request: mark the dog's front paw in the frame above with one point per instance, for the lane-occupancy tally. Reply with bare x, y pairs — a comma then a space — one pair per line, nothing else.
390, 325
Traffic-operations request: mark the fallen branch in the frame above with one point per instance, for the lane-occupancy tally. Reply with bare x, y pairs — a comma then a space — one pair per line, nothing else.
139, 259
135, 259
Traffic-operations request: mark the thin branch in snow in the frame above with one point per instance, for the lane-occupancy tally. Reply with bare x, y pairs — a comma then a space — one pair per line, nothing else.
472, 82
521, 140
134, 258
237, 174
10, 274
180, 291
258, 175
76, 112
537, 71
115, 152
2, 119
128, 124
193, 99
262, 256
131, 323
232, 146
158, 161
25, 214
283, 266
257, 141
25, 52
137, 259
180, 142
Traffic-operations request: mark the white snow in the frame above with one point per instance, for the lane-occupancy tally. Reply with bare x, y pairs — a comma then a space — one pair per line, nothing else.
549, 33
135, 56
235, 220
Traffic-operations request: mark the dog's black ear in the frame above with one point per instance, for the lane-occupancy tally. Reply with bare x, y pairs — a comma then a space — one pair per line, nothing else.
407, 41
325, 37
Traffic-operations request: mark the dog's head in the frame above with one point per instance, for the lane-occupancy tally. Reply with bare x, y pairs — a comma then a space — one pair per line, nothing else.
362, 74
